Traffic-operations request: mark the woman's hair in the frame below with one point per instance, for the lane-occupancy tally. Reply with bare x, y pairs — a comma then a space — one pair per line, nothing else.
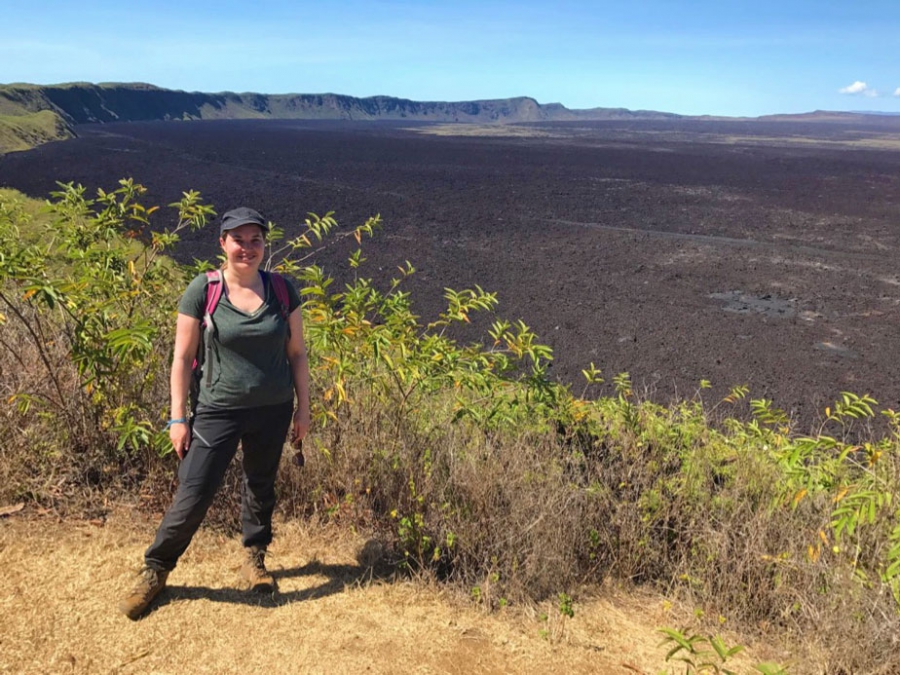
224, 265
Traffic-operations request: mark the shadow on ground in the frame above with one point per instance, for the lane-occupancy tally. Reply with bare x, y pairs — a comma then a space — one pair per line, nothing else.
339, 577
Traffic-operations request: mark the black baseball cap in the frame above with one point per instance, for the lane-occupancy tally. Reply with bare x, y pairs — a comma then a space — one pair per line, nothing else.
242, 216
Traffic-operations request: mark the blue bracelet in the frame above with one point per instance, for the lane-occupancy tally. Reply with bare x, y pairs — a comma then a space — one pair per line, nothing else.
180, 420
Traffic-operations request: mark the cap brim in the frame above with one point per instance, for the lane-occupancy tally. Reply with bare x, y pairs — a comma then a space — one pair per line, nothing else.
231, 226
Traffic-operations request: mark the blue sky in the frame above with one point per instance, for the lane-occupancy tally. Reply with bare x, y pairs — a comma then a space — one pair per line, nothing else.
703, 57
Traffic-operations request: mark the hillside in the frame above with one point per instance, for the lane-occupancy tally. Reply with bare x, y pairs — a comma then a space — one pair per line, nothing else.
81, 103
21, 132
85, 103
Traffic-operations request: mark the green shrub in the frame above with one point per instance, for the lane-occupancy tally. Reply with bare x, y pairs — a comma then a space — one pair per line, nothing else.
88, 298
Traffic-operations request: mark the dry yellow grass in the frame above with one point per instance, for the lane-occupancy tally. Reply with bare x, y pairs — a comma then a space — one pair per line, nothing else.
61, 582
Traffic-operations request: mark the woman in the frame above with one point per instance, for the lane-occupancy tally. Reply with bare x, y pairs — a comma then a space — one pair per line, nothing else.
256, 365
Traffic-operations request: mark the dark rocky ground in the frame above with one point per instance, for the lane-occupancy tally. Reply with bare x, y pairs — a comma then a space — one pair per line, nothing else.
738, 252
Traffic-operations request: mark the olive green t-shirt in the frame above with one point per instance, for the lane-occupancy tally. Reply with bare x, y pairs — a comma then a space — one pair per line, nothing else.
248, 358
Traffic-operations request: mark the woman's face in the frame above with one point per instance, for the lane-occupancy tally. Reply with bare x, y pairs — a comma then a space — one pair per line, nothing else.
244, 246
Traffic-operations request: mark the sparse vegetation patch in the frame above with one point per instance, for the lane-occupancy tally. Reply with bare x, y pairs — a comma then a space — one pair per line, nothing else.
22, 132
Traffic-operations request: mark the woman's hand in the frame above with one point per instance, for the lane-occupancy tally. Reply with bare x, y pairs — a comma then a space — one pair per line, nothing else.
180, 435
299, 428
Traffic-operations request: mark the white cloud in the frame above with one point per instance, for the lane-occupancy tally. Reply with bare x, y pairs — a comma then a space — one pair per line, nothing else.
897, 91
856, 88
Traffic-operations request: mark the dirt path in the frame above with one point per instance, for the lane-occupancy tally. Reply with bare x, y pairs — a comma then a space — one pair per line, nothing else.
61, 582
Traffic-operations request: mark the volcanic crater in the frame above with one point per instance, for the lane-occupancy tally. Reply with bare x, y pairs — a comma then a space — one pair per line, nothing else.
739, 252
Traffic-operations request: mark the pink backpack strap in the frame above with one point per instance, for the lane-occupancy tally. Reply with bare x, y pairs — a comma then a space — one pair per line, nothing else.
213, 295
214, 287
279, 285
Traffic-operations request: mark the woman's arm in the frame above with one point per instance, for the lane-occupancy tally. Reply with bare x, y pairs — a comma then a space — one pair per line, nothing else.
187, 339
296, 354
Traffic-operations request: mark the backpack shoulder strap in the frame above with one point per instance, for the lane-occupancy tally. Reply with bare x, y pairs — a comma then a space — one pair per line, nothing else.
214, 288
279, 285
213, 295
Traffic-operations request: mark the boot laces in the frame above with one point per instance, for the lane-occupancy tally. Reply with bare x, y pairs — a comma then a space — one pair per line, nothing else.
258, 561
148, 581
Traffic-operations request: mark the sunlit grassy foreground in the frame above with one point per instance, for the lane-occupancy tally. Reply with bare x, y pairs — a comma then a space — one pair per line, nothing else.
333, 612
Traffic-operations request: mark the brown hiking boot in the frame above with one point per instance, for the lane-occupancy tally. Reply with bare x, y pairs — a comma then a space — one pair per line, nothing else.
254, 571
139, 598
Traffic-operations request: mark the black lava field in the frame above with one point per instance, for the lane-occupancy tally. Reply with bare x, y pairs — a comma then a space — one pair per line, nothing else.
758, 253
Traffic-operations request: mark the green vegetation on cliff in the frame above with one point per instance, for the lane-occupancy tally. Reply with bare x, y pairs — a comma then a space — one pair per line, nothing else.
28, 118
22, 132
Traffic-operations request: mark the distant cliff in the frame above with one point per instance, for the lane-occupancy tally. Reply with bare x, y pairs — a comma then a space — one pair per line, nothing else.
82, 103
65, 105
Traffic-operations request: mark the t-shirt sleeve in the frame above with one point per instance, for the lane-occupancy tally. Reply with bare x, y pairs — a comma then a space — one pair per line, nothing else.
193, 302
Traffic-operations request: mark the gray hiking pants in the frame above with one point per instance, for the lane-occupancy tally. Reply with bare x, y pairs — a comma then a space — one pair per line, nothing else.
214, 441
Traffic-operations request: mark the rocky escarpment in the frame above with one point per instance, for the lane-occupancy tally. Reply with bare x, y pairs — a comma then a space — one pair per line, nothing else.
86, 103
83, 103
